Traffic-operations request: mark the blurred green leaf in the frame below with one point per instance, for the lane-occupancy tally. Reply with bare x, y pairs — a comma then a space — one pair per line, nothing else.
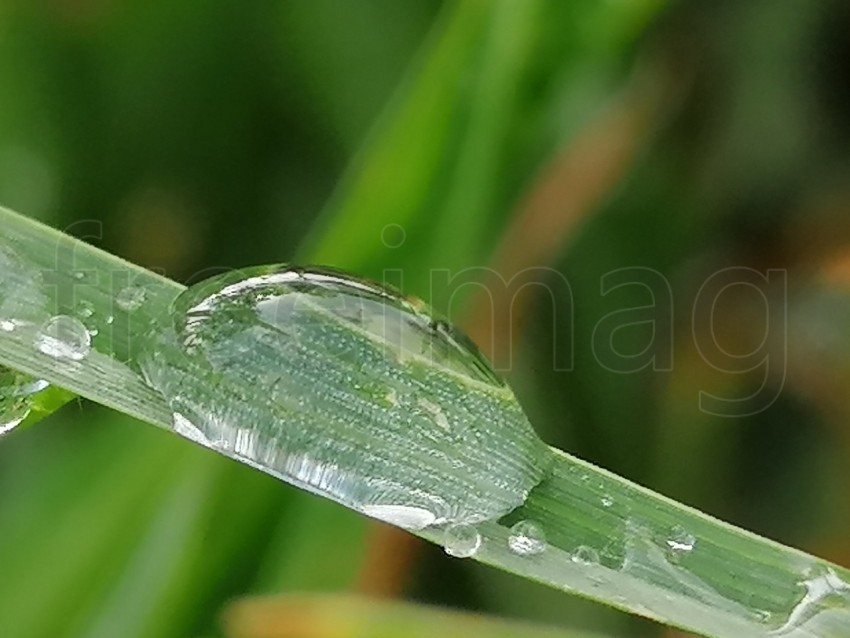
350, 617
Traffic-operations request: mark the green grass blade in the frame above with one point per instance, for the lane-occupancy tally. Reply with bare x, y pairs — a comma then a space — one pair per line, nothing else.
70, 276
729, 583
656, 557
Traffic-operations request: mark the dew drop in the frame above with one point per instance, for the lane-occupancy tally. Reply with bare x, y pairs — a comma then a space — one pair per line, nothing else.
585, 555
16, 393
461, 540
680, 541
64, 337
131, 298
85, 309
305, 373
7, 325
607, 501
527, 539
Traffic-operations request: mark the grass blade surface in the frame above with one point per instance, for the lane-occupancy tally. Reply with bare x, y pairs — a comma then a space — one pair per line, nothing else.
609, 539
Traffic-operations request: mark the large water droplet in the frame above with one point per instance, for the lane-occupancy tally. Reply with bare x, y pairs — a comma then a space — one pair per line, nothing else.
461, 540
527, 539
130, 298
64, 337
16, 393
347, 389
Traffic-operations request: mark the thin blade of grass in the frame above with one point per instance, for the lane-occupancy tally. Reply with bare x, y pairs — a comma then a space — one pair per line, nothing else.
654, 557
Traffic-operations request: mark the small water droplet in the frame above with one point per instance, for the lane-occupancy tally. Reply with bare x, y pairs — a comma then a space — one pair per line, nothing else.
680, 541
16, 393
607, 501
85, 309
404, 516
585, 555
461, 540
7, 325
79, 275
246, 443
64, 337
110, 319
527, 539
131, 298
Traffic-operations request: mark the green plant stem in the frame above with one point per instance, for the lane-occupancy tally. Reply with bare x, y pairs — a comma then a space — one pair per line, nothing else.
609, 539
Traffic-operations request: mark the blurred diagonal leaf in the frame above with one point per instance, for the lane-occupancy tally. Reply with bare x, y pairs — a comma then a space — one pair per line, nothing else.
392, 180
472, 190
350, 617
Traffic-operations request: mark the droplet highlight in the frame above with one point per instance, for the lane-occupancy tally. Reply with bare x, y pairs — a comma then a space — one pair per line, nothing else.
410, 518
462, 540
527, 539
64, 337
680, 542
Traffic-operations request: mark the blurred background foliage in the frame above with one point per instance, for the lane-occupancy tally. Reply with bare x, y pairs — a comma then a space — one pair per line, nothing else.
409, 140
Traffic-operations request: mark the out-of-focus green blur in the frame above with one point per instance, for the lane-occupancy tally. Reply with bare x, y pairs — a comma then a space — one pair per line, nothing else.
678, 174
